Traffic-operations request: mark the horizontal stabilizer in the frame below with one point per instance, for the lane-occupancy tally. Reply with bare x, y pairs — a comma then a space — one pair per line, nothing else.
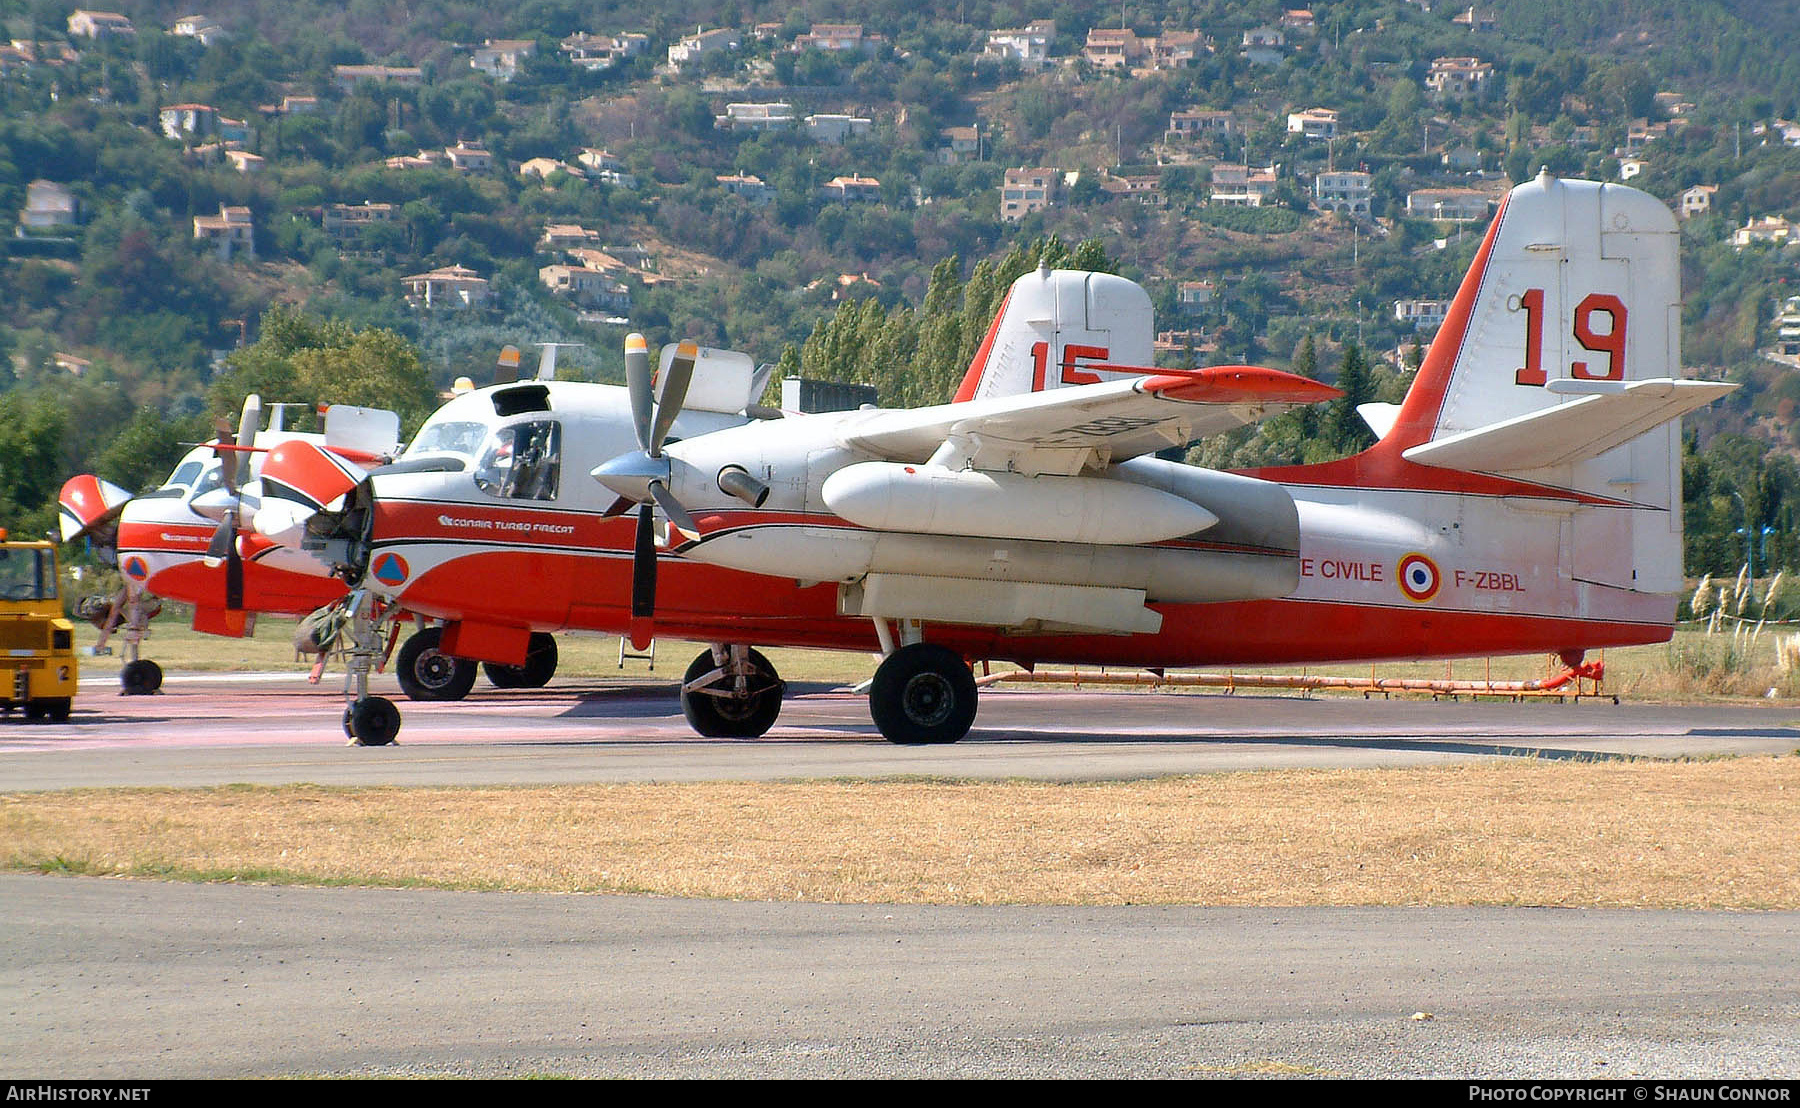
1571, 432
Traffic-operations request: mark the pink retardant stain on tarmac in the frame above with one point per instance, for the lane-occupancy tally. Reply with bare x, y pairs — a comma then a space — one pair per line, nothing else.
196, 711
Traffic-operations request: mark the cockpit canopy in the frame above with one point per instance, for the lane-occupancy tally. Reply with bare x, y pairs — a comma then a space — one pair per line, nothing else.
522, 461
199, 471
516, 461
453, 436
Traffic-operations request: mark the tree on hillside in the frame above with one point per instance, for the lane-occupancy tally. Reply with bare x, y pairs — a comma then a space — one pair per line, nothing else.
146, 449
301, 358
31, 433
916, 356
1343, 429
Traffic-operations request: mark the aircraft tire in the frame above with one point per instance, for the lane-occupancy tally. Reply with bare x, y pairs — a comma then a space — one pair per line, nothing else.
427, 673
718, 717
140, 678
539, 667
923, 694
372, 721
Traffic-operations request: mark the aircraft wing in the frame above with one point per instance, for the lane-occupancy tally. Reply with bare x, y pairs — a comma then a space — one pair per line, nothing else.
1085, 427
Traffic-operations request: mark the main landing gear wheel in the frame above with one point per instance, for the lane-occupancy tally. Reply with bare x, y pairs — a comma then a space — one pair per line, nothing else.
140, 678
721, 710
372, 721
923, 694
427, 673
539, 667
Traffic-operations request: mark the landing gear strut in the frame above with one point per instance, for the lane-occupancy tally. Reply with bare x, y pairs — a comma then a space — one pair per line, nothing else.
368, 720
731, 692
130, 613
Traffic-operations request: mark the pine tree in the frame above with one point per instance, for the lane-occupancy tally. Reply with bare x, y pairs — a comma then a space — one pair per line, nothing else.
1344, 429
918, 356
1306, 364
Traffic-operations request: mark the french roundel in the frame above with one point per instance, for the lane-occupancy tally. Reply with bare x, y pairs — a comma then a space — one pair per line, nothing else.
391, 569
1419, 577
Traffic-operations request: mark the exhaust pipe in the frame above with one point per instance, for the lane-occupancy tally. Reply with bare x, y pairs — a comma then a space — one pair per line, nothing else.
735, 480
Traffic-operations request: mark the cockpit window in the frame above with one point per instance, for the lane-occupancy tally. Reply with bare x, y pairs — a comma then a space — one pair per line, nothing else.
184, 475
211, 479
522, 462
461, 438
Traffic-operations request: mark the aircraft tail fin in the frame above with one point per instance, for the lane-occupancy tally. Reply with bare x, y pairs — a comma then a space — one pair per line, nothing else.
1575, 291
1056, 324
1558, 364
362, 434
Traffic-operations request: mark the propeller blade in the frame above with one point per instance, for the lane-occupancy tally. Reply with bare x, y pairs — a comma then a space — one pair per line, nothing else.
618, 508
506, 370
678, 515
249, 421
223, 547
643, 566
234, 571
640, 386
220, 544
674, 393
227, 458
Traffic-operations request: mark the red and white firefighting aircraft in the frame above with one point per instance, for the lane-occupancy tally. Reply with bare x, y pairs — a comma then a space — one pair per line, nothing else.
189, 539
1524, 497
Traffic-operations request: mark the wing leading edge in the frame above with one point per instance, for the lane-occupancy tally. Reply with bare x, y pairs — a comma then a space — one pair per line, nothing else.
1086, 427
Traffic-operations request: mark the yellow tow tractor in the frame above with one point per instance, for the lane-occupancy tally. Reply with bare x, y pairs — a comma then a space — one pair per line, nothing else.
37, 645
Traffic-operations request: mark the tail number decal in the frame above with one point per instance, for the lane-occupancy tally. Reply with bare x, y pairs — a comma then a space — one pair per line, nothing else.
1040, 358
1532, 304
1610, 342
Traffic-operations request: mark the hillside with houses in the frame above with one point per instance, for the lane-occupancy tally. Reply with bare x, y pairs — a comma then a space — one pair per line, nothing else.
1296, 186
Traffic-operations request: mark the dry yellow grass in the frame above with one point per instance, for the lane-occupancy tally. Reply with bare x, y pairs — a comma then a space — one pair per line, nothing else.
1716, 834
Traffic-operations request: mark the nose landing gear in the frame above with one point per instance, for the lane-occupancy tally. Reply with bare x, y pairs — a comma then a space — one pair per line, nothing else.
731, 692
